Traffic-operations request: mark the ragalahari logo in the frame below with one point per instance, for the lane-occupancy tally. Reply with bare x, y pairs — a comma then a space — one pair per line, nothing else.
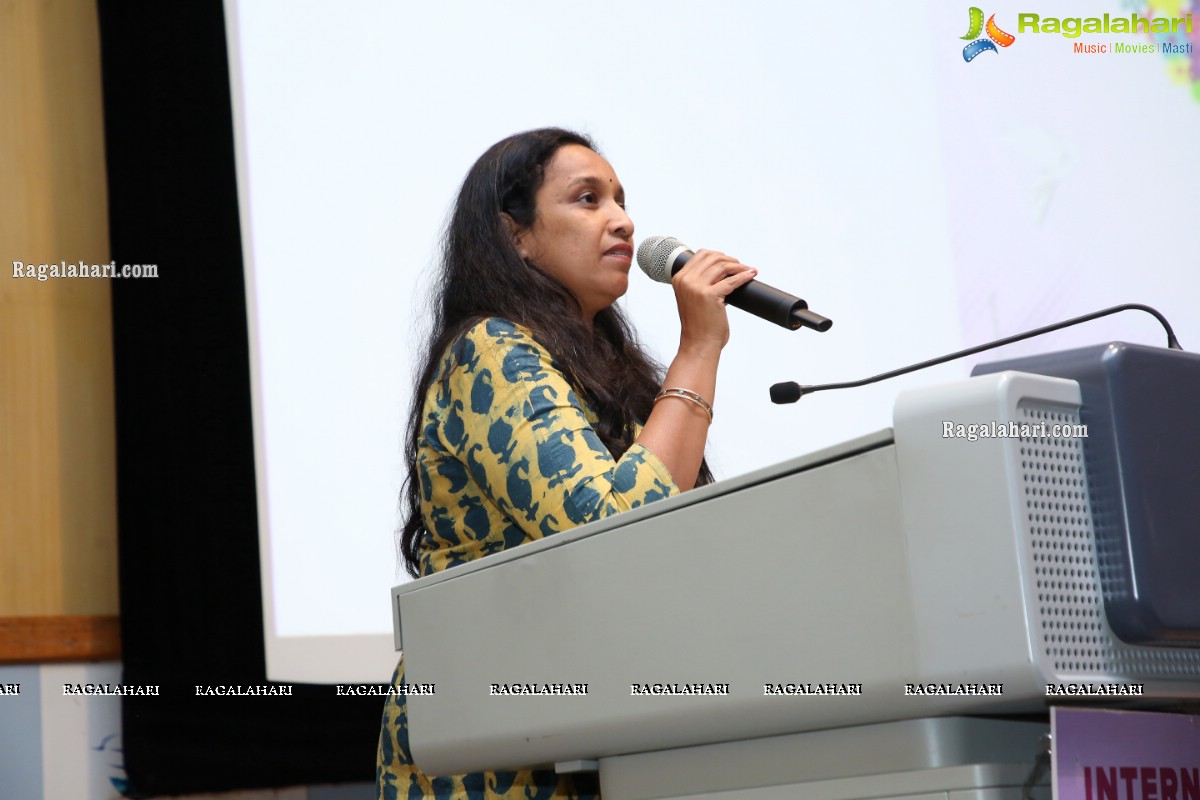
994, 34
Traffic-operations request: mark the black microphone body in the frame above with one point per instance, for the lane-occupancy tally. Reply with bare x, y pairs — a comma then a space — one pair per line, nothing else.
767, 302
661, 257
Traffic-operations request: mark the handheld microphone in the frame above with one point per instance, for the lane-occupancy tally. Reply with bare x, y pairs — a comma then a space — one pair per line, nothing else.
660, 257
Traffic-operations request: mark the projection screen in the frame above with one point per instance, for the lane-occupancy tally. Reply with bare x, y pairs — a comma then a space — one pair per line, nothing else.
922, 201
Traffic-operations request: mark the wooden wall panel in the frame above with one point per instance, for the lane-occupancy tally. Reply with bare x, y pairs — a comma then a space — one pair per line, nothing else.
57, 442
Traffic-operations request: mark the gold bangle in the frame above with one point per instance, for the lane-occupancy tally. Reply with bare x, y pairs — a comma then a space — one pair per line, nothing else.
687, 394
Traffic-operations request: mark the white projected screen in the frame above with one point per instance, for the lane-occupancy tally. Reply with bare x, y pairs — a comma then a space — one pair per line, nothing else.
923, 202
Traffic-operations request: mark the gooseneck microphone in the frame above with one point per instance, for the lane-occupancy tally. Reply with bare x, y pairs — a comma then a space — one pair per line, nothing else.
790, 391
660, 257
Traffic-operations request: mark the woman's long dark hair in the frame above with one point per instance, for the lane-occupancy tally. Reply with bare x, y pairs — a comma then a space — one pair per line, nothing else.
482, 275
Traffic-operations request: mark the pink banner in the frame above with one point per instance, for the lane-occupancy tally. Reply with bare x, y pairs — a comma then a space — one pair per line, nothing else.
1099, 754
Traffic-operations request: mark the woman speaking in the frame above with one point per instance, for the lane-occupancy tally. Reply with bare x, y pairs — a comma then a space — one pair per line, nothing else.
536, 409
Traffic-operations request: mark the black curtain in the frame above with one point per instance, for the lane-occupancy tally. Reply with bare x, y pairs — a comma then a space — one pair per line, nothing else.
191, 610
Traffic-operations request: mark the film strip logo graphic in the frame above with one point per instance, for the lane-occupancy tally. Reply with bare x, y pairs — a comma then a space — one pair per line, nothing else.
995, 36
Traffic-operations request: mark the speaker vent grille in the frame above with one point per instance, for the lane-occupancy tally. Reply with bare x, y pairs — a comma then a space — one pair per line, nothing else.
1069, 606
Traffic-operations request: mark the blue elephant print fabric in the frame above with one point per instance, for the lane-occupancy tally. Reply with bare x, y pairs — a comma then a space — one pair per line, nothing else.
507, 454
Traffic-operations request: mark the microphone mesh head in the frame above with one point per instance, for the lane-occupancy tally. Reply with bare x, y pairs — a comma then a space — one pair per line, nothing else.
652, 256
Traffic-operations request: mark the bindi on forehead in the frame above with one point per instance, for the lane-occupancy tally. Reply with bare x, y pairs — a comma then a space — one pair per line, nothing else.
575, 166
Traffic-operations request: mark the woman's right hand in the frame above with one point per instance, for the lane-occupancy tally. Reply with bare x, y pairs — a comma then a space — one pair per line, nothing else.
677, 427
701, 287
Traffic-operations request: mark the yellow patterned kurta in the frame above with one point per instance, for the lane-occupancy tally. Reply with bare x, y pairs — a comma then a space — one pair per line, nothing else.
507, 455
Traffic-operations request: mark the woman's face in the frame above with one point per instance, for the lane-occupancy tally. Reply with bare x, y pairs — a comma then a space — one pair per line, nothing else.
581, 235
